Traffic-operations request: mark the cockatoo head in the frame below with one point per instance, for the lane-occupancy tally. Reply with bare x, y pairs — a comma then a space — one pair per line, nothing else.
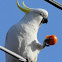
40, 12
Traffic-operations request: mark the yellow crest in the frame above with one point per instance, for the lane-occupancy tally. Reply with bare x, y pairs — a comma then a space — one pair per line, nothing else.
27, 10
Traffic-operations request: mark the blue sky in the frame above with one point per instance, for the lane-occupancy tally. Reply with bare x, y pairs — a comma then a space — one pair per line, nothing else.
10, 15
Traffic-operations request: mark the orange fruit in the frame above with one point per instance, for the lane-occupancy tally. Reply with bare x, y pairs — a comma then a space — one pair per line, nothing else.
52, 39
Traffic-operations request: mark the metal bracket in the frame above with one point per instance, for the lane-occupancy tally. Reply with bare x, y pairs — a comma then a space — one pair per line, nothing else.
55, 3
20, 58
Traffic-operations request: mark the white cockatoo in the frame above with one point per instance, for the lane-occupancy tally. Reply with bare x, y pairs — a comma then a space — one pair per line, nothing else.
22, 37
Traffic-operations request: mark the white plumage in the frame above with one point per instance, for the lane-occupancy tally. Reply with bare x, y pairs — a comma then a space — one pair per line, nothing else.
22, 37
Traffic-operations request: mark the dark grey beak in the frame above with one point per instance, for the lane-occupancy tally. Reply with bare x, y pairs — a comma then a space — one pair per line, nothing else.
44, 20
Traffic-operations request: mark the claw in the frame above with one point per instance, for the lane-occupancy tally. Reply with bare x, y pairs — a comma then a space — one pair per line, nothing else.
46, 42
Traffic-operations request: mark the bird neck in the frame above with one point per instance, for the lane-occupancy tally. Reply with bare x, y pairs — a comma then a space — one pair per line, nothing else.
31, 23
32, 19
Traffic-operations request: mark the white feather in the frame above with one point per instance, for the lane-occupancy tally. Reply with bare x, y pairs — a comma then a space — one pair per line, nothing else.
22, 38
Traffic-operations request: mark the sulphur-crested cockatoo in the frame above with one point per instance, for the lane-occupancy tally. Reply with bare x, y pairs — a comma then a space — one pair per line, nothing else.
22, 37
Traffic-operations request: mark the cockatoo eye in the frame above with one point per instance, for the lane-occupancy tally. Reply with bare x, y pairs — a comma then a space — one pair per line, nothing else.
41, 14
45, 16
